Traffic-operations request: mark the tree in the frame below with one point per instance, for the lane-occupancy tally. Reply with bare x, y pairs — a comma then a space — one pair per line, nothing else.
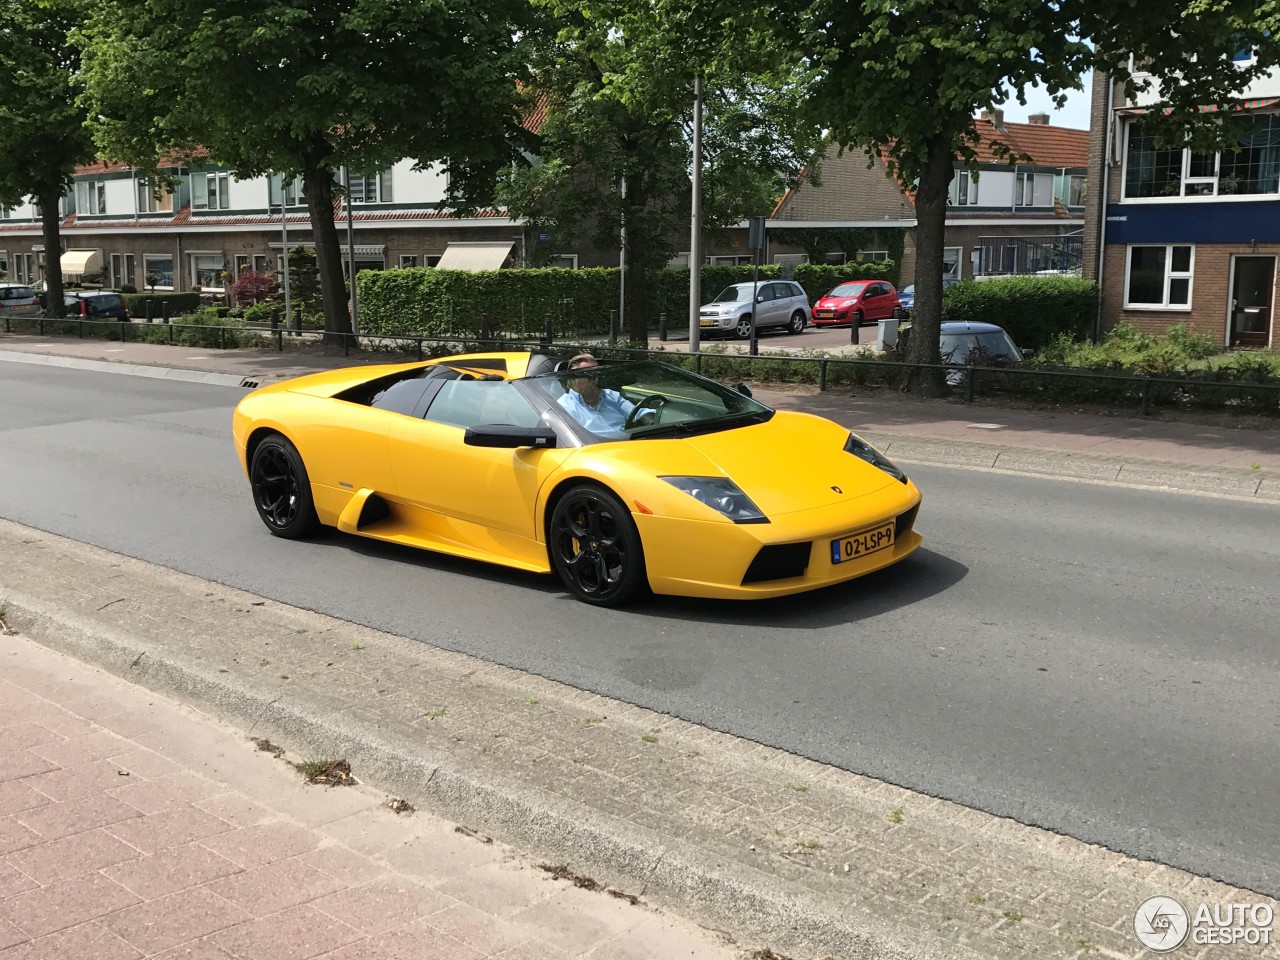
615, 114
304, 87
905, 78
42, 133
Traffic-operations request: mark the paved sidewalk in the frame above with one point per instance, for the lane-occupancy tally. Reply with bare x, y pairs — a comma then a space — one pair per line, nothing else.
1204, 454
131, 826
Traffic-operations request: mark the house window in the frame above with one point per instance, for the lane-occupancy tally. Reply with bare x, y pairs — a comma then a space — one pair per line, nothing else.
1075, 191
430, 261
731, 261
157, 271
91, 197
246, 262
408, 260
563, 261
1253, 167
371, 188
4, 264
964, 189
150, 202
122, 270
293, 193
950, 261
1159, 277
872, 256
206, 270
211, 191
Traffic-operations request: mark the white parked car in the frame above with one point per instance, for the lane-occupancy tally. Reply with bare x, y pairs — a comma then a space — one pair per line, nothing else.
19, 301
778, 303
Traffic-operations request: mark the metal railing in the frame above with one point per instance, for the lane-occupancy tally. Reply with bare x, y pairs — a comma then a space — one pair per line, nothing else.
965, 382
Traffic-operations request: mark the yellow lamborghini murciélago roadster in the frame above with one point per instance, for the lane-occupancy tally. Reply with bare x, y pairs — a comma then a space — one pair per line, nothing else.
693, 488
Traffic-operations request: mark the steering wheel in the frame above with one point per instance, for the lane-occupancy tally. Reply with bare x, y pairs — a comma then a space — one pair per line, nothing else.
654, 402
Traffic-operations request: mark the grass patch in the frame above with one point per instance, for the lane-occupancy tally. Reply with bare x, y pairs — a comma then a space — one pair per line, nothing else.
894, 816
434, 714
332, 773
1013, 916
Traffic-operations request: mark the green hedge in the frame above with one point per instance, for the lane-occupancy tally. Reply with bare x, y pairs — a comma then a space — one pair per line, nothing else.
430, 302
1034, 310
819, 278
179, 302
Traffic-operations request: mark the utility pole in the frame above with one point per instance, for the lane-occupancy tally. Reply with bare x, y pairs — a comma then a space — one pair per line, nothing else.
695, 232
622, 262
284, 239
351, 248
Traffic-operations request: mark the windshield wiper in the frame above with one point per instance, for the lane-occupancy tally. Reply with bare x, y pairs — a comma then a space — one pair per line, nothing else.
692, 427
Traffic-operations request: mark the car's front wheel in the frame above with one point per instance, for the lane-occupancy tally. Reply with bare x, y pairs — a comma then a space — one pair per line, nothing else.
742, 329
281, 489
595, 547
797, 322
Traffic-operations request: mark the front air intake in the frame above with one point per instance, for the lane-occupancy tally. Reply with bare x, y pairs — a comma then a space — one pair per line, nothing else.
778, 561
903, 523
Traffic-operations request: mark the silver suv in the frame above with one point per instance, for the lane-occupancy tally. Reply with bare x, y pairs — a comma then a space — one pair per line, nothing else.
19, 300
779, 303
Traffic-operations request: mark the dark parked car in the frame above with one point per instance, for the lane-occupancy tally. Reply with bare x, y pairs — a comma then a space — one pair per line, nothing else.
972, 344
96, 305
907, 295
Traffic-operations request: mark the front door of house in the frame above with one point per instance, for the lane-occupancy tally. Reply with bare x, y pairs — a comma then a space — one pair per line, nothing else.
1252, 289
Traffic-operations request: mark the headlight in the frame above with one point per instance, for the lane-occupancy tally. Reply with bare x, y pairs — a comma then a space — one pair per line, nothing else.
864, 451
722, 495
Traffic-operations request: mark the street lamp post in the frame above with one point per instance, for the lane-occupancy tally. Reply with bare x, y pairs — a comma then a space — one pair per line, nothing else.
695, 232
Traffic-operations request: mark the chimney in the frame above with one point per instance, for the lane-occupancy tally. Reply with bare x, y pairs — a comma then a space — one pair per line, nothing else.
994, 117
1041, 119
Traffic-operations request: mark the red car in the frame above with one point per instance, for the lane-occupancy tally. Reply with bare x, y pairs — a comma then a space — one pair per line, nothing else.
856, 301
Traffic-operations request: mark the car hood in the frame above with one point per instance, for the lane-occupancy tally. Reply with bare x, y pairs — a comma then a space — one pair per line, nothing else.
788, 464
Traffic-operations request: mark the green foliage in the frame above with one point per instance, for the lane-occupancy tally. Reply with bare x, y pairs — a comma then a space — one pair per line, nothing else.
1034, 310
423, 300
261, 312
304, 280
180, 302
819, 278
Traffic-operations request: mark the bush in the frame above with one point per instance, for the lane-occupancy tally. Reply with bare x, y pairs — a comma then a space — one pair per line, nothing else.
253, 287
260, 312
179, 303
1034, 310
203, 328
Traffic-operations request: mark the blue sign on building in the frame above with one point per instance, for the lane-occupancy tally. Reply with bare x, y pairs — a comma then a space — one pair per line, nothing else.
1195, 222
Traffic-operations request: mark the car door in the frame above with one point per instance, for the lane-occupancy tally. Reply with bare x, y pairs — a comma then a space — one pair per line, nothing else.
777, 312
873, 301
482, 497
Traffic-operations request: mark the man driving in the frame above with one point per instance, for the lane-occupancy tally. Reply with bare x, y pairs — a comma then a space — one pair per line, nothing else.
600, 410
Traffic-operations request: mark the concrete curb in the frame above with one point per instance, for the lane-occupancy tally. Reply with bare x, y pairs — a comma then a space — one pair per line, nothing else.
126, 368
693, 881
1114, 471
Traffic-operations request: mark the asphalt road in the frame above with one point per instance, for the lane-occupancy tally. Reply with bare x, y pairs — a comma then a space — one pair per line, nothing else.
1099, 661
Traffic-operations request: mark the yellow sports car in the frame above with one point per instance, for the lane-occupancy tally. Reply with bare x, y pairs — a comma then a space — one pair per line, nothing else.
619, 477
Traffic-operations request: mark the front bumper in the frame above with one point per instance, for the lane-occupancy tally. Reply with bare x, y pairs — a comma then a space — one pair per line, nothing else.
791, 554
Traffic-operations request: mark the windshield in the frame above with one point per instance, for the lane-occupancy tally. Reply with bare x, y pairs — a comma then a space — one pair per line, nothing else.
977, 348
734, 295
645, 400
848, 290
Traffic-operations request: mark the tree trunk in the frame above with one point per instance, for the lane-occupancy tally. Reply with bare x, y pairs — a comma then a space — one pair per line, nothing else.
926, 313
51, 224
318, 183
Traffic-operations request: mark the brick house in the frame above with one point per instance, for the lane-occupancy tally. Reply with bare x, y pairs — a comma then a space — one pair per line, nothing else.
1007, 218
1176, 236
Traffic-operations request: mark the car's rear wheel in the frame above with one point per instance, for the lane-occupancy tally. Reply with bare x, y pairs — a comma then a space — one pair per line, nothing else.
742, 329
281, 489
797, 322
595, 547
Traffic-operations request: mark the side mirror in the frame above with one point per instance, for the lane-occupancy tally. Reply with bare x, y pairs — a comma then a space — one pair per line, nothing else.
1027, 353
743, 389
509, 437
760, 299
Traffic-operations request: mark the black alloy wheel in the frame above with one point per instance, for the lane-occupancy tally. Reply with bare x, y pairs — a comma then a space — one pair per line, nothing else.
595, 547
281, 489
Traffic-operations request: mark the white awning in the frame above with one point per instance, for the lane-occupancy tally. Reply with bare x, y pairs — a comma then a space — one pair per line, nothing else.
76, 263
473, 256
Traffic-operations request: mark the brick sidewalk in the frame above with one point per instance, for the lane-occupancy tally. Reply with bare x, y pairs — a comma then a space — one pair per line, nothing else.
133, 827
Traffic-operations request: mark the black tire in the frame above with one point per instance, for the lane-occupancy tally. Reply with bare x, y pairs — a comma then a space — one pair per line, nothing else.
742, 328
797, 322
281, 489
595, 547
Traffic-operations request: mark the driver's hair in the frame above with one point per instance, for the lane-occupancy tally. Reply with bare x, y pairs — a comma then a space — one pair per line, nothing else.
582, 360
